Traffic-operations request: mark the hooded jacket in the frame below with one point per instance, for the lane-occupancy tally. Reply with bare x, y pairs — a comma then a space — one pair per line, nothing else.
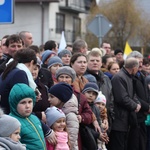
31, 130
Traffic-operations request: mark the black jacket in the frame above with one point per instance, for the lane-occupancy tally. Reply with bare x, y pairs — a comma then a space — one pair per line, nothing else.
142, 96
124, 102
45, 77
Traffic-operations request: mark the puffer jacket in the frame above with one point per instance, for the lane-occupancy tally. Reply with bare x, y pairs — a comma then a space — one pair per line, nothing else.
70, 109
31, 132
31, 129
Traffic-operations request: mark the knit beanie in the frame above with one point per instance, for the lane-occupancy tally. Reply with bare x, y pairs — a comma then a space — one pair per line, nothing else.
46, 54
18, 92
62, 91
66, 70
54, 60
8, 125
53, 114
100, 98
118, 51
90, 78
64, 52
90, 86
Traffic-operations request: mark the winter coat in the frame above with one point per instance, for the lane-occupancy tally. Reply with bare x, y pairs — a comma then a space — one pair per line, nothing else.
31, 132
84, 108
42, 104
79, 84
4, 62
45, 77
124, 102
85, 112
13, 77
31, 129
70, 109
142, 95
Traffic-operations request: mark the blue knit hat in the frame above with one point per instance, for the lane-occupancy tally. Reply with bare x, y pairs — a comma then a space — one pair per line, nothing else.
54, 60
46, 54
53, 114
18, 92
64, 52
90, 86
62, 91
90, 78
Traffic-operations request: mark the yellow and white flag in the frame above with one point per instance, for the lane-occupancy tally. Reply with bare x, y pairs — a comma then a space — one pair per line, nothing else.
127, 50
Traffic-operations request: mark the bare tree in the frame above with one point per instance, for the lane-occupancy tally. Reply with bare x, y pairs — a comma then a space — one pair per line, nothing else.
125, 17
143, 33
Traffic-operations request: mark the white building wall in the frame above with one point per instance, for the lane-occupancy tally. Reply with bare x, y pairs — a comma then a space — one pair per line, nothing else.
25, 18
28, 17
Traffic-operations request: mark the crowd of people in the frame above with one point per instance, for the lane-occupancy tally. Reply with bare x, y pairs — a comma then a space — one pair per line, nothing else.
74, 99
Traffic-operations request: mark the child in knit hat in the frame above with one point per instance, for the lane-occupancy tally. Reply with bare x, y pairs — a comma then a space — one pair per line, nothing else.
22, 99
56, 120
91, 91
100, 102
54, 63
61, 96
10, 133
46, 55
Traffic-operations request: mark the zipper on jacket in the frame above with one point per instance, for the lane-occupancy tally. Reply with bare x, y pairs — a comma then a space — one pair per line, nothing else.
36, 132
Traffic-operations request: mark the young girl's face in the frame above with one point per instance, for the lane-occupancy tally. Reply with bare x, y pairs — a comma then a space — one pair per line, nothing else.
59, 125
54, 101
25, 107
54, 68
100, 105
90, 95
35, 72
15, 136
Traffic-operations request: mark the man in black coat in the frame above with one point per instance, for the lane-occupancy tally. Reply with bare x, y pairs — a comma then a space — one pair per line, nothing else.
137, 134
125, 105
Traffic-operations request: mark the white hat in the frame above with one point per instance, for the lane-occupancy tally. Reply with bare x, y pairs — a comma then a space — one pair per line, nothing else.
100, 98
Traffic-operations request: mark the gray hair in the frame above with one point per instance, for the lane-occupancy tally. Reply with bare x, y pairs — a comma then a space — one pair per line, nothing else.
131, 62
78, 44
135, 54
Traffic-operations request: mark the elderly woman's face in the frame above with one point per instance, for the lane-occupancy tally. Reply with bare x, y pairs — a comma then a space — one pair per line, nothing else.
65, 78
80, 65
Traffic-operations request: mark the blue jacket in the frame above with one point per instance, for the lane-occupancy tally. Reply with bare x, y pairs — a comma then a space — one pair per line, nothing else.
15, 76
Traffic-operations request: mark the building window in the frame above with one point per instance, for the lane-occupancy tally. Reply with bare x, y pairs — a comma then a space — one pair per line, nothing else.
60, 22
76, 27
